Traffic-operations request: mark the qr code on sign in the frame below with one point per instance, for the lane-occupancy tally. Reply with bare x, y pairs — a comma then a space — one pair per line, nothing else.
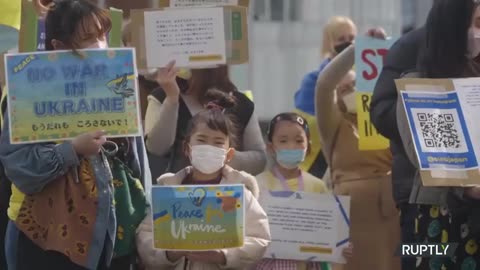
439, 130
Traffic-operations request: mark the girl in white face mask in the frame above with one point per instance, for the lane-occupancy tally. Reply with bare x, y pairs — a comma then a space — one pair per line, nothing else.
209, 145
288, 143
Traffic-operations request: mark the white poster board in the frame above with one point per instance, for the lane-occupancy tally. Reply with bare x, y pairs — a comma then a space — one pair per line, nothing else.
190, 3
307, 226
193, 37
442, 118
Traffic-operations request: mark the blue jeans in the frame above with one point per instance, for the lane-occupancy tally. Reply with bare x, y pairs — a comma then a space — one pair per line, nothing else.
11, 240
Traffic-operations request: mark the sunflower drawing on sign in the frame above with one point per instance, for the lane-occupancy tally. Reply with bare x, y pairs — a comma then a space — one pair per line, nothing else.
229, 200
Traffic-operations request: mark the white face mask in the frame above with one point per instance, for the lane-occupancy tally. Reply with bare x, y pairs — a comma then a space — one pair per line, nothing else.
350, 102
99, 44
473, 42
208, 159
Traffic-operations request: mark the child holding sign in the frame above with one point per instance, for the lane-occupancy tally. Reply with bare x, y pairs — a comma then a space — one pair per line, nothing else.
208, 145
289, 143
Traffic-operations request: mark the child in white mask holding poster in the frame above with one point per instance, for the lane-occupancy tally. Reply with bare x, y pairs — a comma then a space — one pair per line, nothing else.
209, 145
288, 144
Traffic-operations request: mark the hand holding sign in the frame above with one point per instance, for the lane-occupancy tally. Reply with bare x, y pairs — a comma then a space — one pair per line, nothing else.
377, 32
167, 79
88, 144
212, 257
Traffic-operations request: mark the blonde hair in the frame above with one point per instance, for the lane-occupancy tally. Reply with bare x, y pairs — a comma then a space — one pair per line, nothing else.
335, 26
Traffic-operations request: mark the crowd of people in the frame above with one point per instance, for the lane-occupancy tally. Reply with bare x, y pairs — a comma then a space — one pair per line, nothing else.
199, 129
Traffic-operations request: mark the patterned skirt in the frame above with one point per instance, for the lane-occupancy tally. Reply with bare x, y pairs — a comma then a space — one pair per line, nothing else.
436, 224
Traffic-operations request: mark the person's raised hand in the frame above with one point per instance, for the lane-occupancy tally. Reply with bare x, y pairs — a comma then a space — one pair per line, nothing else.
167, 79
377, 32
90, 143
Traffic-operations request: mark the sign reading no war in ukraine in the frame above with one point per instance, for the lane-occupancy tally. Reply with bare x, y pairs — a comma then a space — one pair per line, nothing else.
59, 95
196, 218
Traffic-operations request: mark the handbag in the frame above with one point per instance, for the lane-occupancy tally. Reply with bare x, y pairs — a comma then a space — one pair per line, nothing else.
130, 201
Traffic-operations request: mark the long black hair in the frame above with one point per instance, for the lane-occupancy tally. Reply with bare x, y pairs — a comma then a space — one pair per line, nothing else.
444, 53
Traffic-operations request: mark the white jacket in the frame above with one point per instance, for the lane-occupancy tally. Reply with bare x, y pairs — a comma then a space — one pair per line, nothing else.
257, 232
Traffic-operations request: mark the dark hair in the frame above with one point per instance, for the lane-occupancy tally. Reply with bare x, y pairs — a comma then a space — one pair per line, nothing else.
444, 52
215, 116
290, 117
203, 80
72, 21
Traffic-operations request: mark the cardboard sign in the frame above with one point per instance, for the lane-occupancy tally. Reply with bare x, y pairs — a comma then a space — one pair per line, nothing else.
196, 218
194, 37
58, 95
442, 120
32, 29
194, 3
307, 226
369, 56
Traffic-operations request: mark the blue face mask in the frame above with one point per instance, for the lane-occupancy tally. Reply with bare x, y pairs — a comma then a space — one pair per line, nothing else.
290, 159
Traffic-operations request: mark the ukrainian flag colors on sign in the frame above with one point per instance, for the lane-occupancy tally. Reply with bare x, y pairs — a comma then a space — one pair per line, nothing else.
369, 56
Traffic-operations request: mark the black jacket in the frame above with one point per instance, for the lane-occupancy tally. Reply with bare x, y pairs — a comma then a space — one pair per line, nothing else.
401, 58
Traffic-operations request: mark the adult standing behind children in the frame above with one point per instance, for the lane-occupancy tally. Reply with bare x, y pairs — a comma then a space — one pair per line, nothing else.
171, 107
338, 34
362, 175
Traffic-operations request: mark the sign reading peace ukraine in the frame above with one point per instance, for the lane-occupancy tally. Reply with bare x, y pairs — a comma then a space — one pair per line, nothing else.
196, 218
58, 95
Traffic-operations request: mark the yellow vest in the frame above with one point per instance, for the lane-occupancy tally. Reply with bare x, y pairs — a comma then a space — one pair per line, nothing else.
10, 13
314, 138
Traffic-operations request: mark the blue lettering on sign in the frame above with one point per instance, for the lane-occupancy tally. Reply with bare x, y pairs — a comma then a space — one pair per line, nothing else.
178, 212
41, 36
76, 89
36, 75
83, 105
85, 72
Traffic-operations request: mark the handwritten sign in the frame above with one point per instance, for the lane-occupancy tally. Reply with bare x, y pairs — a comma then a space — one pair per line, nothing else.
192, 37
307, 226
370, 54
441, 116
191, 3
59, 95
196, 218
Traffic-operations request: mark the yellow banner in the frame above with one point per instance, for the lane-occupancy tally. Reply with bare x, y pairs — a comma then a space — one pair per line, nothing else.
369, 138
10, 13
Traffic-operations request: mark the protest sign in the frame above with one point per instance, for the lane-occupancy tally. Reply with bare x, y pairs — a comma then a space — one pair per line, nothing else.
196, 218
193, 37
59, 95
307, 226
32, 28
194, 3
369, 56
441, 117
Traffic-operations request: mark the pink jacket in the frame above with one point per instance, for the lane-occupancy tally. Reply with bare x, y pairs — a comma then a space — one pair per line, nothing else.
257, 232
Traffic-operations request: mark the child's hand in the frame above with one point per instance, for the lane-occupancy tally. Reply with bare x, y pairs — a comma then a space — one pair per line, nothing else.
348, 252
214, 257
90, 143
174, 256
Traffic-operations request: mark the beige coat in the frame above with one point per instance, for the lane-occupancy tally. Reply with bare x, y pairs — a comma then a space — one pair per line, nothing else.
257, 232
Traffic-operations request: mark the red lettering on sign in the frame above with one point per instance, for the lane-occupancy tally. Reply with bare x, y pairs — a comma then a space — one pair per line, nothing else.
366, 58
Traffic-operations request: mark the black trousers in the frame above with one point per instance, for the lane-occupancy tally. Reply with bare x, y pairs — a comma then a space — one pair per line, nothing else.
32, 257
